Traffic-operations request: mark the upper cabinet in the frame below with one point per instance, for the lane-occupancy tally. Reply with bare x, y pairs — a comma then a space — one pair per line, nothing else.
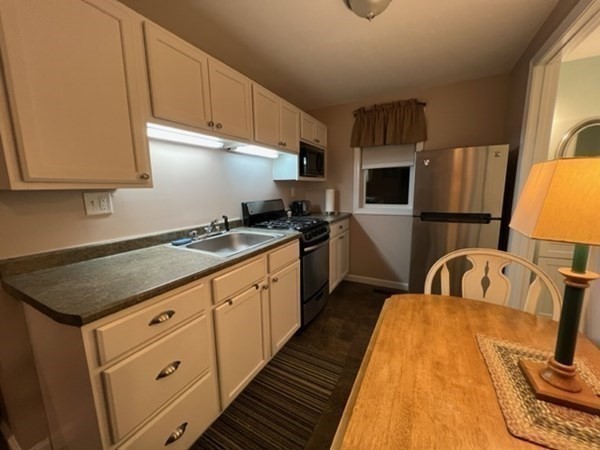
72, 101
231, 101
189, 87
276, 122
313, 131
178, 75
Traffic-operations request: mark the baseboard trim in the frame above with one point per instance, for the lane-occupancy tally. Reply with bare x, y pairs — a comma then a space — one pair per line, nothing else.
11, 440
378, 282
8, 436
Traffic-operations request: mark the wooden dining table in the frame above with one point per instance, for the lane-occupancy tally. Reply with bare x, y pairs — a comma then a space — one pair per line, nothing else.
423, 382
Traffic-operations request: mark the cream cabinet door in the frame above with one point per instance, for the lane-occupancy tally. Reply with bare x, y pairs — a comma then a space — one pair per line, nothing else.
75, 82
239, 338
334, 267
265, 105
307, 127
231, 100
320, 134
289, 120
178, 74
284, 305
343, 252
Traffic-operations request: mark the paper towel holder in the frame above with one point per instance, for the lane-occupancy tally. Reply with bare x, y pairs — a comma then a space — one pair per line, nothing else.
330, 202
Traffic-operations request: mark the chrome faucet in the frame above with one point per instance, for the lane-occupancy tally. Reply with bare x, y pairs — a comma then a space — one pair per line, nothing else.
212, 227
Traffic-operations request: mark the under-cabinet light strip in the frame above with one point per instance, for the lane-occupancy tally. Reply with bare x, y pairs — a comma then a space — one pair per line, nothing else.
255, 150
163, 133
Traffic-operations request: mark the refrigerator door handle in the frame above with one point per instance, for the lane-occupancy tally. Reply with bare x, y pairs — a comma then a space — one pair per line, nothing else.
456, 217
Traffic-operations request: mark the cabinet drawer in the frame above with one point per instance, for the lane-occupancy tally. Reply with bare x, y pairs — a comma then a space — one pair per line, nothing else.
193, 412
283, 256
235, 280
115, 338
138, 385
339, 227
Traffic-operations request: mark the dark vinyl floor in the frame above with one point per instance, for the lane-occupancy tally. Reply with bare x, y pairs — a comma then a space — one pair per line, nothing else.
343, 330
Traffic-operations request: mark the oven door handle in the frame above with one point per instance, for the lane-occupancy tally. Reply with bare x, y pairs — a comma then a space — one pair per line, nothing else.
315, 247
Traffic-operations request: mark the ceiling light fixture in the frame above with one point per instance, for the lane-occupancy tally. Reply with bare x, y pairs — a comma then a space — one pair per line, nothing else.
255, 150
367, 9
163, 133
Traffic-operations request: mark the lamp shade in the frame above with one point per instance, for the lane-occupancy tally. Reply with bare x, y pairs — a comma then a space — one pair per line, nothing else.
561, 202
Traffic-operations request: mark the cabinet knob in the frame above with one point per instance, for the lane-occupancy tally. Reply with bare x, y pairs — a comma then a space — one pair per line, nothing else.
317, 141
219, 125
285, 144
211, 123
256, 286
341, 226
275, 280
162, 317
169, 370
265, 287
175, 435
145, 176
229, 302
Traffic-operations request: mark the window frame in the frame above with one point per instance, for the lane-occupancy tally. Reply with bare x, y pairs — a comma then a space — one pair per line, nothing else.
359, 205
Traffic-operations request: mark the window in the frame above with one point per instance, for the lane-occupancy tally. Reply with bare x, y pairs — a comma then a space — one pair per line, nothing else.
384, 179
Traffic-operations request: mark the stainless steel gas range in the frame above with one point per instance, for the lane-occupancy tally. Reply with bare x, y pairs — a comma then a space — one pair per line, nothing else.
314, 249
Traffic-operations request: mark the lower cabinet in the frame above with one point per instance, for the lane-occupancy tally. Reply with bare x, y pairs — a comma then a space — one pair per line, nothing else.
239, 332
339, 253
147, 376
284, 305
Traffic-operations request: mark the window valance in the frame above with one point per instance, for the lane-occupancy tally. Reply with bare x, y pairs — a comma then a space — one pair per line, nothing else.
395, 123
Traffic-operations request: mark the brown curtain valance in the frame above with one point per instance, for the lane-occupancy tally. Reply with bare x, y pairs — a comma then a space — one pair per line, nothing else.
401, 122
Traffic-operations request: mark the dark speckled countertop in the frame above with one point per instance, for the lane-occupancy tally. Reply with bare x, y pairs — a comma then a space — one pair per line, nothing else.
332, 218
79, 293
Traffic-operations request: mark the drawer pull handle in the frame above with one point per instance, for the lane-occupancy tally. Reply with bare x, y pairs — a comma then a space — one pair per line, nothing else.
162, 317
275, 280
169, 370
175, 435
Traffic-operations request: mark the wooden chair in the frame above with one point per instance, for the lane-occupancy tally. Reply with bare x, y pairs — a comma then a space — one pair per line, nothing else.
486, 282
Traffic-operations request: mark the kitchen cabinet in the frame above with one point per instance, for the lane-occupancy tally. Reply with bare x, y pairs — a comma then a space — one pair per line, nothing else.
133, 379
284, 295
178, 76
73, 98
276, 122
313, 131
239, 331
190, 88
339, 252
231, 101
257, 311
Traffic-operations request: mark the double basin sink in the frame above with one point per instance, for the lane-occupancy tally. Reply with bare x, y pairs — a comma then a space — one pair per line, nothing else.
231, 242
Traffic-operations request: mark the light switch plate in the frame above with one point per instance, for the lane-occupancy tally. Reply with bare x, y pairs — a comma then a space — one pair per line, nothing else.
97, 203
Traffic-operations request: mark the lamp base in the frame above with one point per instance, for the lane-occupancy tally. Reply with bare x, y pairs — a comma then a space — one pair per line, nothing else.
583, 400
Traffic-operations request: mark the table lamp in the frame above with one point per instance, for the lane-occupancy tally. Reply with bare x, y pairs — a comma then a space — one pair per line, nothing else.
560, 202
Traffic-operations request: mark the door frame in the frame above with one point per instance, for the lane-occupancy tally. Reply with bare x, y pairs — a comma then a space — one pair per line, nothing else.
544, 70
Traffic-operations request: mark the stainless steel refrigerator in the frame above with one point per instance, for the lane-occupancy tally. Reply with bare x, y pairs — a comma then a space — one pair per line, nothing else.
458, 198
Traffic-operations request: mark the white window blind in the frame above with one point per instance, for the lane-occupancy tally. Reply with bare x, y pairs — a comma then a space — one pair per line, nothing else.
387, 156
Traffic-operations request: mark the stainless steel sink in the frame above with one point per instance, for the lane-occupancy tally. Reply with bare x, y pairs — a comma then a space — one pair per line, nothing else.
232, 242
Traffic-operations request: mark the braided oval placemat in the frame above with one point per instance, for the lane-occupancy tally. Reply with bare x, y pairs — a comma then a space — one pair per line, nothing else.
535, 420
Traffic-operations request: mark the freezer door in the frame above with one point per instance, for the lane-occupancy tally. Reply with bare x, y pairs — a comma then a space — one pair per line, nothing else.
432, 240
466, 179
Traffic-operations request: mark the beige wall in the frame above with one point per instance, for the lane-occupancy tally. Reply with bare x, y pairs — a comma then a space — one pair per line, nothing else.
191, 186
469, 113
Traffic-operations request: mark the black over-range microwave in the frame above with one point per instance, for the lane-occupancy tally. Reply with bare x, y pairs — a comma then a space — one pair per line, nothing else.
311, 161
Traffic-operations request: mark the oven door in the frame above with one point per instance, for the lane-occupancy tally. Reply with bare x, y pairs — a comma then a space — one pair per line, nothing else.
315, 269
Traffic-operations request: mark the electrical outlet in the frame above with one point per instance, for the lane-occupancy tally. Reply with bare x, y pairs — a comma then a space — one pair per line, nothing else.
97, 203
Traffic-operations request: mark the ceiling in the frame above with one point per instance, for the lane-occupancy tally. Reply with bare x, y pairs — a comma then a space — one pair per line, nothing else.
317, 53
